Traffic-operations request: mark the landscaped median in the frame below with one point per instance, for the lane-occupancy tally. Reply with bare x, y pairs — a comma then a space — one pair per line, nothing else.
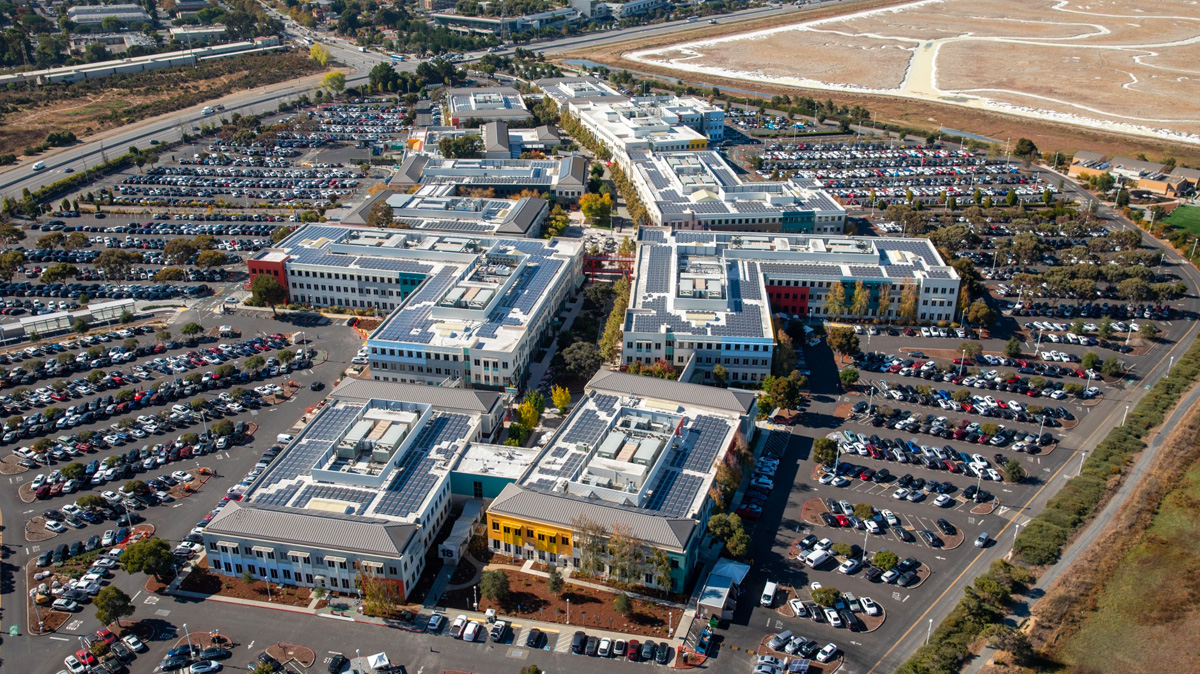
1040, 543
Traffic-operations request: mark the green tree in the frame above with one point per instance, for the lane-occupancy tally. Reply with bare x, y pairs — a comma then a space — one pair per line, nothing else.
178, 251
842, 549
191, 330
662, 569
319, 53
211, 259
151, 556
461, 147
861, 301
720, 375
848, 377
73, 471
582, 359
112, 604
980, 313
971, 349
597, 208
223, 427
1089, 361
843, 341
885, 559
255, 363
1012, 348
1148, 330
264, 289
623, 605
826, 596
784, 392
1013, 471
335, 82
864, 511
493, 585
60, 271
825, 450
1111, 366
554, 581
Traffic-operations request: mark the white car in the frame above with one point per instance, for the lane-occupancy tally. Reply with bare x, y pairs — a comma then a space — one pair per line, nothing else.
74, 666
164, 496
56, 527
833, 618
182, 476
204, 667
870, 606
943, 501
231, 300
827, 478
436, 622
873, 527
900, 494
826, 654
891, 518
848, 567
823, 544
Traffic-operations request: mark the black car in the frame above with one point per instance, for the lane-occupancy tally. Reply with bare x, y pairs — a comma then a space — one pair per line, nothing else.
908, 564
907, 579
316, 386
578, 643
830, 520
535, 638
121, 650
173, 663
808, 541
337, 663
648, 650
946, 527
663, 655
873, 573
593, 646
213, 654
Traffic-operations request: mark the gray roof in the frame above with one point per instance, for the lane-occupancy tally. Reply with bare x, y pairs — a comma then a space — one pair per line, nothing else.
547, 135
1191, 175
1137, 165
412, 168
1084, 156
565, 510
322, 530
732, 400
468, 400
523, 216
572, 171
495, 138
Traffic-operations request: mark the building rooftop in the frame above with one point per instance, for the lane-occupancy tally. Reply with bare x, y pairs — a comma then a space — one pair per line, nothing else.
496, 460
486, 103
565, 90
712, 283
703, 183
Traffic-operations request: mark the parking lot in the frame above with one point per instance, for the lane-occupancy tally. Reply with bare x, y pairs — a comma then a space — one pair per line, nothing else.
852, 171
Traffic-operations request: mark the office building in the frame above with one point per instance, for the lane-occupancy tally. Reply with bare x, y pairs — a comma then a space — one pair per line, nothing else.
87, 15
479, 105
563, 179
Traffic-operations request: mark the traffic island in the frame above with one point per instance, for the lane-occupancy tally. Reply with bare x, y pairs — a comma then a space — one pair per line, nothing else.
26, 493
9, 465
986, 508
284, 653
952, 542
41, 619
812, 510
203, 640
36, 531
873, 622
923, 574
843, 411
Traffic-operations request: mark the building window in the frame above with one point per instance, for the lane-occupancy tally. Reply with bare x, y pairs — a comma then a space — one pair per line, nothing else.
477, 488
495, 524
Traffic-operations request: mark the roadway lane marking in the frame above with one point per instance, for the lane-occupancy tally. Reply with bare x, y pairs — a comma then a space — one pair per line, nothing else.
250, 646
60, 638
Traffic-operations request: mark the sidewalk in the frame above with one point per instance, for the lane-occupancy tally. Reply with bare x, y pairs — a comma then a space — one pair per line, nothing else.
536, 370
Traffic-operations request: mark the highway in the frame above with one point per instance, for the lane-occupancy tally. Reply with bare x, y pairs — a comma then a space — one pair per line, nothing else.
93, 150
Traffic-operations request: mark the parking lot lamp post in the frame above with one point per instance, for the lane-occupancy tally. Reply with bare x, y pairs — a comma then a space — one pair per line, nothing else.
38, 613
1125, 416
568, 610
962, 362
1041, 427
1082, 459
187, 635
929, 631
1194, 248
1170, 364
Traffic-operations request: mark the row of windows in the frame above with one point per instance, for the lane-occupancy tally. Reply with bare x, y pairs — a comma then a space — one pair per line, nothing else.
704, 346
338, 276
431, 355
311, 299
529, 534
708, 360
348, 289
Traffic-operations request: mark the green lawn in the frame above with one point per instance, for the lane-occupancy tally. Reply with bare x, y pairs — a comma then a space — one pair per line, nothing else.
1185, 218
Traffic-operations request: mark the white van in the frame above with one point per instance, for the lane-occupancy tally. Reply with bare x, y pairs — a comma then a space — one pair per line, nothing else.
768, 595
38, 166
816, 558
283, 438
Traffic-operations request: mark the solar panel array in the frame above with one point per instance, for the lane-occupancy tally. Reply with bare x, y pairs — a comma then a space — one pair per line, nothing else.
277, 498
695, 237
334, 492
749, 285
653, 322
389, 264
588, 428
414, 316
415, 476
674, 494
318, 438
866, 271
537, 285
569, 467
744, 323
805, 268
658, 269
707, 444
605, 403
653, 235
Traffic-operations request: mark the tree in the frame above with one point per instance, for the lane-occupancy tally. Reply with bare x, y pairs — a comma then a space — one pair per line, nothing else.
1122, 198
81, 325
468, 146
136, 487
116, 263
151, 556
211, 259
843, 341
980, 313
662, 569
91, 501
848, 377
885, 299
493, 585
864, 511
908, 301
1010, 640
720, 374
1111, 366
1012, 348
335, 82
191, 329
971, 349
561, 397
286, 356
597, 208
589, 538
625, 557
264, 289
1025, 148
1013, 471
178, 251
112, 604
254, 363
1089, 361
73, 471
554, 581
835, 300
9, 262
60, 271
825, 450
989, 429
582, 359
784, 392
886, 560
1148, 330
842, 549
381, 214
223, 427
861, 302
623, 605
319, 53
826, 596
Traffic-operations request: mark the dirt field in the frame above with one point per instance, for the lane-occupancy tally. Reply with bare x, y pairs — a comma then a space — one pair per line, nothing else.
1103, 65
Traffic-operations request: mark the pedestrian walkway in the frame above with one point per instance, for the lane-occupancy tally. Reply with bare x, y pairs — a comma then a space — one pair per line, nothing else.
539, 368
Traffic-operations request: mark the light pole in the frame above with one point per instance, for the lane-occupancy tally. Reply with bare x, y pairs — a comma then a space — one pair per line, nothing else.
962, 362
929, 631
1170, 364
1082, 458
41, 625
1125, 416
188, 636
568, 610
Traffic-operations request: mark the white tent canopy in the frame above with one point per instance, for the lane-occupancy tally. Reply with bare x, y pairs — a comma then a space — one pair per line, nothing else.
378, 660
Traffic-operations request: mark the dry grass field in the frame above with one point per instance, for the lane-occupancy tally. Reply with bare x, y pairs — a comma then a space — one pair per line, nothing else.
1102, 64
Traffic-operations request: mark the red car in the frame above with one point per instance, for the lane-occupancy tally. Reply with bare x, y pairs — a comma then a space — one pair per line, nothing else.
106, 635
85, 656
842, 520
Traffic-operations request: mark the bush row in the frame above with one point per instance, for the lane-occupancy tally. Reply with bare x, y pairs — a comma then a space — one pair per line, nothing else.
984, 602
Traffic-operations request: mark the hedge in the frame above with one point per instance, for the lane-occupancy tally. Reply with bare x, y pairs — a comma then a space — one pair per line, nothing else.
1041, 541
